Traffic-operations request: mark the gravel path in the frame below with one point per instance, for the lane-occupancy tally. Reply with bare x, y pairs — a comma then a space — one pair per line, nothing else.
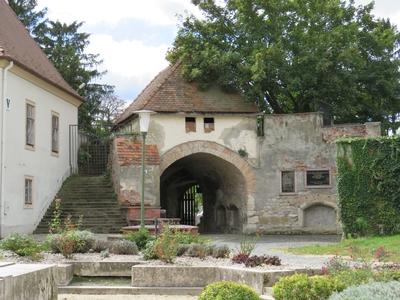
275, 245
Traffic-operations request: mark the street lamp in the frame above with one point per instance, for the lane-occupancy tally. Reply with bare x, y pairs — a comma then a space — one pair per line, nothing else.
144, 122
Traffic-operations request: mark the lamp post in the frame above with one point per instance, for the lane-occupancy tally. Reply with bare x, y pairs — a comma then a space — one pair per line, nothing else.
144, 122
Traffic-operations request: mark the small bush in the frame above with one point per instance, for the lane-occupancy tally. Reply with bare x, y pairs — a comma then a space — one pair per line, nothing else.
334, 265
185, 237
303, 287
240, 258
105, 253
221, 252
166, 246
140, 238
255, 261
101, 245
248, 244
22, 245
355, 276
124, 247
227, 290
149, 252
375, 290
72, 241
197, 250
182, 249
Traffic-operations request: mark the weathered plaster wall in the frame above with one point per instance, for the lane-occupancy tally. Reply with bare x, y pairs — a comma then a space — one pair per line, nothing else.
232, 131
298, 142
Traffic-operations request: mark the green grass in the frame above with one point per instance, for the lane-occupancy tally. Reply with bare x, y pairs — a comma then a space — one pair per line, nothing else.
364, 248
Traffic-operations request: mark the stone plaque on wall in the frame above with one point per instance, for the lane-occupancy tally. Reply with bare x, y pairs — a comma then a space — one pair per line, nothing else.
318, 178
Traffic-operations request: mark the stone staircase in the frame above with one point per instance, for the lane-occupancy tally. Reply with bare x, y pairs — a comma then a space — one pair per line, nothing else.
92, 197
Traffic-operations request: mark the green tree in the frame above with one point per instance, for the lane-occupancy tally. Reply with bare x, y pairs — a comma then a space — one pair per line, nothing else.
296, 56
66, 47
34, 20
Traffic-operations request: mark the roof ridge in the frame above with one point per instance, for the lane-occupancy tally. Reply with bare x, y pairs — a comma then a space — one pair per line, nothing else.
170, 69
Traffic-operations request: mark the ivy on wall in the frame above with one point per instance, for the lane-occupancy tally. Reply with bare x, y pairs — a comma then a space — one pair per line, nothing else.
369, 185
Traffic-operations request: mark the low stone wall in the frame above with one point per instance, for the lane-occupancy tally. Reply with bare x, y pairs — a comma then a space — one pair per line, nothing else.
63, 274
189, 276
103, 268
27, 281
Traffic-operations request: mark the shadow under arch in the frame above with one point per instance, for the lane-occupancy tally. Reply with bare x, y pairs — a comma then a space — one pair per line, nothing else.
224, 179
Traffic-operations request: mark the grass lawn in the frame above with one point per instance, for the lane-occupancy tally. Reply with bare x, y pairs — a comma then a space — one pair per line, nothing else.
365, 248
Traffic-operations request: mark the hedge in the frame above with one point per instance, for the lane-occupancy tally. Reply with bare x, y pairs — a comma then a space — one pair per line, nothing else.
369, 185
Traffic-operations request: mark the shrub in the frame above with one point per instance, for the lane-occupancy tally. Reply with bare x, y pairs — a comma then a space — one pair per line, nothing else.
375, 290
197, 250
101, 245
220, 252
166, 246
140, 238
303, 287
247, 245
255, 261
72, 241
240, 258
186, 237
227, 290
149, 252
355, 276
124, 247
182, 248
22, 245
336, 264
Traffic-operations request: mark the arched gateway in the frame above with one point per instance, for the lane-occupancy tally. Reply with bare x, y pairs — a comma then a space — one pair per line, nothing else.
224, 180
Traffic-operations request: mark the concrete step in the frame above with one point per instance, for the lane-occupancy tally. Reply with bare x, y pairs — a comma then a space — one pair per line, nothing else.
129, 290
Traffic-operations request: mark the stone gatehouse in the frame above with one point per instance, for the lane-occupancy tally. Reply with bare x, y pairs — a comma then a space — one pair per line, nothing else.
255, 172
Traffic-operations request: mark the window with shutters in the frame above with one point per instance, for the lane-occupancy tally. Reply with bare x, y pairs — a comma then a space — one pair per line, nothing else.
28, 201
30, 126
55, 127
190, 124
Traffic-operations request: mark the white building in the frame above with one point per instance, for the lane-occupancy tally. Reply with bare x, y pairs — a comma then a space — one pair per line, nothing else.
37, 108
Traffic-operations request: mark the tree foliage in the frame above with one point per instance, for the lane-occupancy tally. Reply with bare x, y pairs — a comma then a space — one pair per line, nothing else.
66, 47
296, 56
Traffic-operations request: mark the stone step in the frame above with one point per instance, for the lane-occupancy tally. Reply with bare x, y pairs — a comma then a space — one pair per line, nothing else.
129, 290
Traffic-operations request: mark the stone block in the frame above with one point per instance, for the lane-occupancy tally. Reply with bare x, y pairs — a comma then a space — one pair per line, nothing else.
104, 268
63, 274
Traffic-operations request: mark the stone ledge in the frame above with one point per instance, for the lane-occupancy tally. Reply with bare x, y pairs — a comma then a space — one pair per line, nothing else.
104, 268
107, 290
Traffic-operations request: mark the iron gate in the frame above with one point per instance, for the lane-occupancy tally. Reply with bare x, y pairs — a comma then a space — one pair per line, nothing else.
88, 151
188, 206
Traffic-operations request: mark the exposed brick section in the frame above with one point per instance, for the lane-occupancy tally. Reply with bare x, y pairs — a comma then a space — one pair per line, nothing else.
330, 134
129, 151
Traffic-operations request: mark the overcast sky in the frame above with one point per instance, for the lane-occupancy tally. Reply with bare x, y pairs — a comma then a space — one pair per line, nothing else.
132, 36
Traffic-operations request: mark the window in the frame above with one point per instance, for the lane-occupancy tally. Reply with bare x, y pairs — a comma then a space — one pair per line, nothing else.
208, 124
190, 124
318, 178
28, 191
54, 133
30, 125
288, 181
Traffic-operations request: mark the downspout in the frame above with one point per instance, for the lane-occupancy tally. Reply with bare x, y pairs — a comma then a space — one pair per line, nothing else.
2, 137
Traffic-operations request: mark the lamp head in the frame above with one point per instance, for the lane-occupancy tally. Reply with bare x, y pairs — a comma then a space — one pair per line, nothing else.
144, 119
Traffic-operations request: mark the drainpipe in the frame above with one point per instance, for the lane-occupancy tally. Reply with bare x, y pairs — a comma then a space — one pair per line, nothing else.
2, 137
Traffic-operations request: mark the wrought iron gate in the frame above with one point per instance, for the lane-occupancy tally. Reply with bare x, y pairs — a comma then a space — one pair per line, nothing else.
88, 152
188, 206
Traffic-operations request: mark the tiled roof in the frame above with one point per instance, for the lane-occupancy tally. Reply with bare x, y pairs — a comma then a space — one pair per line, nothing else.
169, 92
17, 45
129, 152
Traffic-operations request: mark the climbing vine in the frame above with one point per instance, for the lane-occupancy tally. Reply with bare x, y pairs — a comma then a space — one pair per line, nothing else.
369, 185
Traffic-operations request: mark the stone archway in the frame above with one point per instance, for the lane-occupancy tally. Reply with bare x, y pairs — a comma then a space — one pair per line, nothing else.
319, 215
224, 177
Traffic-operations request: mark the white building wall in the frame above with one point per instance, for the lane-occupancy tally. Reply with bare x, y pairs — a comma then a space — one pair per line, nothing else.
232, 131
48, 171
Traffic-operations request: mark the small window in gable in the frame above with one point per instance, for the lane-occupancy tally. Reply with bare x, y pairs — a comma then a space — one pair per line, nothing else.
55, 125
28, 191
288, 181
190, 124
318, 178
30, 125
208, 124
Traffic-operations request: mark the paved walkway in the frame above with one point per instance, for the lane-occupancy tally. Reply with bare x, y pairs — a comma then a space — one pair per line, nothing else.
274, 245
